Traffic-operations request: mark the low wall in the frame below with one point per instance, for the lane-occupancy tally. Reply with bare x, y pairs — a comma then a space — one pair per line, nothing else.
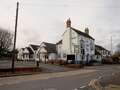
21, 69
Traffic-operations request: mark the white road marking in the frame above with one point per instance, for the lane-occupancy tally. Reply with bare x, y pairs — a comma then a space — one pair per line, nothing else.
82, 86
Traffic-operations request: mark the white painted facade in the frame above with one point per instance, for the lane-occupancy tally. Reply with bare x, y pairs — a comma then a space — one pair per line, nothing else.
97, 58
34, 56
104, 52
27, 54
59, 51
75, 43
70, 40
42, 52
44, 55
23, 54
20, 54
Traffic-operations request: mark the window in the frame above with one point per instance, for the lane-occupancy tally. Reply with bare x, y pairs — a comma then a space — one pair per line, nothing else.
82, 47
91, 45
87, 45
23, 55
82, 57
64, 55
76, 49
82, 44
82, 51
87, 49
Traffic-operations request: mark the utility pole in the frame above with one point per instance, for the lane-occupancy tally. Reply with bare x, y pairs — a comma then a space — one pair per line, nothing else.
111, 46
15, 34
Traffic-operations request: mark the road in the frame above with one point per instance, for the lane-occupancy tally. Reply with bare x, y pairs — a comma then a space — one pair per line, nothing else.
65, 81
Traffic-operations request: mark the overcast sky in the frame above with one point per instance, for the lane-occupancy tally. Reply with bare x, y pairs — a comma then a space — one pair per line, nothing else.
44, 20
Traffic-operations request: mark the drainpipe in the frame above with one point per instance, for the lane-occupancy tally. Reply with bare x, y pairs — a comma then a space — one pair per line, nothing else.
70, 42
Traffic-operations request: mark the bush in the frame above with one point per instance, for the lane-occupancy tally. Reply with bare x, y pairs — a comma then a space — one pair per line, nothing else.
107, 60
116, 59
74, 65
60, 62
50, 61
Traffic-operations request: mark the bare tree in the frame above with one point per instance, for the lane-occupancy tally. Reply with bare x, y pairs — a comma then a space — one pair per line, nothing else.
117, 51
116, 56
5, 40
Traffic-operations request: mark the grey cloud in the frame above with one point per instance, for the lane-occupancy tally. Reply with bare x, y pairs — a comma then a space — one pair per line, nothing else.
44, 20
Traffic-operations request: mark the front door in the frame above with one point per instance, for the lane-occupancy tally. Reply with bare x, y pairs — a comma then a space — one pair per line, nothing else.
71, 58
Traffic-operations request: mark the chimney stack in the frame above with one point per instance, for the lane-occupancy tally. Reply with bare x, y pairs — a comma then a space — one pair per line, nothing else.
68, 23
87, 30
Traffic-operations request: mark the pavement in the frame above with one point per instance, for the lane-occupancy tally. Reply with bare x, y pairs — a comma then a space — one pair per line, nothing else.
114, 87
68, 80
46, 68
8, 63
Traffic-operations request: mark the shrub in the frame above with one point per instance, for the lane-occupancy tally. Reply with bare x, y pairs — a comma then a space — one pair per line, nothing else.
116, 58
50, 61
74, 65
59, 62
107, 60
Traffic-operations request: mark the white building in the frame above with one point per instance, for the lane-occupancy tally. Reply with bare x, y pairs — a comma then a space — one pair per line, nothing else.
104, 52
28, 53
97, 57
34, 49
23, 54
76, 44
47, 51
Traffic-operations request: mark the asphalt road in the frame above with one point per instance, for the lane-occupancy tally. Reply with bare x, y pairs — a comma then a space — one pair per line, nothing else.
64, 83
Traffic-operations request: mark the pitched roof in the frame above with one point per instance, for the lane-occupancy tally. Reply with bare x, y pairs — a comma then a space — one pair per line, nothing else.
50, 47
30, 50
100, 47
59, 42
82, 33
35, 47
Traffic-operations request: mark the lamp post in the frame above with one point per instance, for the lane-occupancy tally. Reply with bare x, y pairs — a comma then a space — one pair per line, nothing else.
15, 34
111, 46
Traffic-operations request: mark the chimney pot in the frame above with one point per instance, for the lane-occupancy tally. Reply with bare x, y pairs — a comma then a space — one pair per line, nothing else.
87, 30
68, 23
